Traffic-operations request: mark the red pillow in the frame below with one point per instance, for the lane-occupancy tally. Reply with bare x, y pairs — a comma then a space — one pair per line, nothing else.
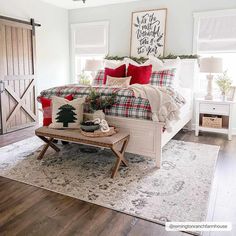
139, 74
47, 109
118, 72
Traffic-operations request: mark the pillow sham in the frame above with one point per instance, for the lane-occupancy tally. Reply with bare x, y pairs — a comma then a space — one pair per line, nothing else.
118, 82
158, 65
113, 64
98, 80
139, 74
174, 63
66, 114
164, 78
47, 109
117, 72
128, 61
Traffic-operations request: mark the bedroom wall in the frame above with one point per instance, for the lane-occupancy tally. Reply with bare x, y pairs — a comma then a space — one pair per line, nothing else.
179, 21
52, 38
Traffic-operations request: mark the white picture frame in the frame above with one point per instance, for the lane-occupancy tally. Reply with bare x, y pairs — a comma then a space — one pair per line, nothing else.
231, 95
148, 33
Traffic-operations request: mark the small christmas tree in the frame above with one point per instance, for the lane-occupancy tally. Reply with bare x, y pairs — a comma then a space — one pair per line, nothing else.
66, 115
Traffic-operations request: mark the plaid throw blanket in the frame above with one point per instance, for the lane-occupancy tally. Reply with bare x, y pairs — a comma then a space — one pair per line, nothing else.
127, 105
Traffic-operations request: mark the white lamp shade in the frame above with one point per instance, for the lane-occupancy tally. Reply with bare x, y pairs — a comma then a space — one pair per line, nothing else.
93, 65
211, 65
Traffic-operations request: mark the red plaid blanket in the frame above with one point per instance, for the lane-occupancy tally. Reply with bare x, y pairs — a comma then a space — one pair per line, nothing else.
127, 105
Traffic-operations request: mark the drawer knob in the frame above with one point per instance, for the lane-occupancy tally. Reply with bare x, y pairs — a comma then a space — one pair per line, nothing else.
214, 108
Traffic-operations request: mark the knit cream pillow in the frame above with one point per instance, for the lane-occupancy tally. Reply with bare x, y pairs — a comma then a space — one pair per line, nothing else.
118, 82
66, 114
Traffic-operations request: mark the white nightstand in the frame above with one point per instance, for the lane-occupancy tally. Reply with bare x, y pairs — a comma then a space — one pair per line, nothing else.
215, 107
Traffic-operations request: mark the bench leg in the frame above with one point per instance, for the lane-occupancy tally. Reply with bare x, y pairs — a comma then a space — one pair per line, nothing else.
49, 143
120, 157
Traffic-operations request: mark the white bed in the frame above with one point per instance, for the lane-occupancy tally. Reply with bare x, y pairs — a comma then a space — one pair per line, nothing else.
147, 137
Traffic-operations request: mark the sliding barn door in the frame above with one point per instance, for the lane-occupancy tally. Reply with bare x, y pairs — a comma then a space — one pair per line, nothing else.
17, 76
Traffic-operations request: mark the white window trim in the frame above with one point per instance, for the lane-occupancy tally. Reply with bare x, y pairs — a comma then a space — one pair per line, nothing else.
72, 42
198, 15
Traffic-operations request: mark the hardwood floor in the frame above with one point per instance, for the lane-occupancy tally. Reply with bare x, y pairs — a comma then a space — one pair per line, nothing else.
28, 210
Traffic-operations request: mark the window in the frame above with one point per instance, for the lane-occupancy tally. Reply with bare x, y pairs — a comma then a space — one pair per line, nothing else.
88, 41
215, 35
215, 32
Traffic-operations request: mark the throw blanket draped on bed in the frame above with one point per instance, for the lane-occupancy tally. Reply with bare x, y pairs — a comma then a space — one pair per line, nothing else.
164, 107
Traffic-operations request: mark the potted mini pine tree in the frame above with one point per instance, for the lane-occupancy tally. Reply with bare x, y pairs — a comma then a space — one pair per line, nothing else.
98, 103
224, 83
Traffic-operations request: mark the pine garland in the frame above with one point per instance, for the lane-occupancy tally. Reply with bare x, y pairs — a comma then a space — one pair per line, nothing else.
143, 59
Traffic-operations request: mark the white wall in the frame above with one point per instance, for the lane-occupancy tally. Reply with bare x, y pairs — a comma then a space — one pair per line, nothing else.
179, 21
52, 38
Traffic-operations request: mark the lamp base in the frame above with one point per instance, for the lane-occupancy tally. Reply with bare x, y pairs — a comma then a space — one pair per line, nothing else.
209, 95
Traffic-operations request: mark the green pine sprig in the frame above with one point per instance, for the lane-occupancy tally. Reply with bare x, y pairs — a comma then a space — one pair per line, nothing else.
141, 60
95, 101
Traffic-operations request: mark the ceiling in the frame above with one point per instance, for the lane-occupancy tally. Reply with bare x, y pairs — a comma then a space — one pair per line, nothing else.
70, 4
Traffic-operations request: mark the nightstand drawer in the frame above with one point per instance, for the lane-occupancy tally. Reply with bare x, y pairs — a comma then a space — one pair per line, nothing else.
217, 109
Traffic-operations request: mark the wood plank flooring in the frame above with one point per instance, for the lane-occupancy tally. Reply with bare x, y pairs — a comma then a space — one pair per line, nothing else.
28, 210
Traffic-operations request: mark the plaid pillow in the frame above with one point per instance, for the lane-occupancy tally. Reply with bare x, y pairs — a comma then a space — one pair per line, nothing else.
164, 78
98, 80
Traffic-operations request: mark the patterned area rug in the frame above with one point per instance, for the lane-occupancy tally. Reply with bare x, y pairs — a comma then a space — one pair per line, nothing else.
179, 191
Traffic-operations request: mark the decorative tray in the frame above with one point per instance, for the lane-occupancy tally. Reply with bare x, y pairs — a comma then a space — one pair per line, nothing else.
99, 133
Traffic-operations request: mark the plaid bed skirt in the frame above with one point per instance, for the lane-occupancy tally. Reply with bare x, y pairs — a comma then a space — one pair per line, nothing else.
127, 105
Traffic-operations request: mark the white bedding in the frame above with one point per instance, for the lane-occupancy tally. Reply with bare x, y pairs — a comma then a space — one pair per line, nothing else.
187, 109
188, 95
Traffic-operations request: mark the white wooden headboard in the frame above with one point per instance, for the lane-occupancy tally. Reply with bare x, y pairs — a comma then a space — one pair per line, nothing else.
188, 73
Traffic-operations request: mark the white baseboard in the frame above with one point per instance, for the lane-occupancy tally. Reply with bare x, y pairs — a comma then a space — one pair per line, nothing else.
234, 131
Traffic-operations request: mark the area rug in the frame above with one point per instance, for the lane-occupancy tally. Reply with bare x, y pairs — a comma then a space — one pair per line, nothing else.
179, 191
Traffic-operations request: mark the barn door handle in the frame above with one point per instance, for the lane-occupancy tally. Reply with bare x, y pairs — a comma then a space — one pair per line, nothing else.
2, 86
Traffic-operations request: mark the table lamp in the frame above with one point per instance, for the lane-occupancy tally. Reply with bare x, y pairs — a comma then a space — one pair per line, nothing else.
210, 65
93, 66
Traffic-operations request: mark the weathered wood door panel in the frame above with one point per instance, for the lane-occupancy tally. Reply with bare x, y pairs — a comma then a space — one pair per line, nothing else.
17, 76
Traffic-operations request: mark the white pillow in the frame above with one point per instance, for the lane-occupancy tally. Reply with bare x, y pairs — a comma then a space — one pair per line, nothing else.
128, 61
174, 63
113, 64
116, 63
157, 64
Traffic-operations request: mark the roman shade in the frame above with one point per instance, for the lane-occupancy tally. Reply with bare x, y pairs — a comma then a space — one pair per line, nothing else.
216, 32
90, 38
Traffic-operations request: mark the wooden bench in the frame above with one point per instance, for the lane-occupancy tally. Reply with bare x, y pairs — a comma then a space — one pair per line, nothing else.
48, 135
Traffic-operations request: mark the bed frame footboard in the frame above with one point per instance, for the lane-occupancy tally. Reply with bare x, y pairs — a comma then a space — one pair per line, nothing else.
145, 136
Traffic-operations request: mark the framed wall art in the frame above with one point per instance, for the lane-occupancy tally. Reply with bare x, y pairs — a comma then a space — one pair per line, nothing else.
148, 33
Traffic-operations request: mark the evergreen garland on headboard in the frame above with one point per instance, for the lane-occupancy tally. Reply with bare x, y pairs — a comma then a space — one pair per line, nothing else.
143, 59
